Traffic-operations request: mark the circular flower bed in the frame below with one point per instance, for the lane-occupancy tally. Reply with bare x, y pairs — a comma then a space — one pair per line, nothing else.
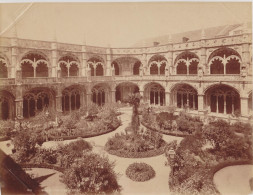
140, 172
136, 146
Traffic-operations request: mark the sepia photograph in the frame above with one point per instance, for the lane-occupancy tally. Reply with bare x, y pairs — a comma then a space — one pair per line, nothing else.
126, 98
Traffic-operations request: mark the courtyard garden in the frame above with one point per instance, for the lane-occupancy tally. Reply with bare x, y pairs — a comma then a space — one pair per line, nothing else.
169, 123
132, 160
136, 142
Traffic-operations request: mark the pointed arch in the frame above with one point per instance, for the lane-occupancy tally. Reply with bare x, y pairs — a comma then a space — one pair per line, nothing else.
3, 68
181, 68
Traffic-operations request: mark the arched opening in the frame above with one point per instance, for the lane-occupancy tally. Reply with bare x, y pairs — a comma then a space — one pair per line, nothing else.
3, 68
181, 68
123, 90
185, 96
233, 66
157, 65
153, 69
116, 68
224, 61
217, 67
71, 99
100, 94
223, 99
27, 70
35, 101
73, 70
92, 70
41, 70
34, 65
96, 65
250, 103
99, 70
136, 68
64, 70
162, 69
69, 65
154, 93
193, 67
7, 105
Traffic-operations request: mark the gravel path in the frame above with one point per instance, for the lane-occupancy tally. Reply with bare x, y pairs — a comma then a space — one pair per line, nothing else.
234, 180
157, 185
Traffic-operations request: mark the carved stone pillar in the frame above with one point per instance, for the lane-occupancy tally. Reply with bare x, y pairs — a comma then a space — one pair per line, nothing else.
244, 106
58, 101
19, 101
53, 72
88, 98
167, 98
144, 64
84, 62
108, 62
200, 103
14, 62
113, 96
203, 62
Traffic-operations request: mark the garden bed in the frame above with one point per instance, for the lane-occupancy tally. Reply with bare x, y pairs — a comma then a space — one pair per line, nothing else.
166, 132
61, 138
146, 154
42, 165
140, 172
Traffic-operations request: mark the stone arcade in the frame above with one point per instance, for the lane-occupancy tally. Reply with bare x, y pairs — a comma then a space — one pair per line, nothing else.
211, 75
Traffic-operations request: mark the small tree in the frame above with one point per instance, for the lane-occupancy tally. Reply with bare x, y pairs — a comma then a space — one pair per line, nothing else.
217, 132
134, 100
91, 174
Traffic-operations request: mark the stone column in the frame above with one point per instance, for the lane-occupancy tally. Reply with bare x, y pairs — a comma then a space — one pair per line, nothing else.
88, 98
19, 101
170, 63
14, 62
84, 62
244, 106
144, 63
113, 96
217, 104
203, 62
58, 101
200, 103
167, 98
225, 104
54, 67
108, 62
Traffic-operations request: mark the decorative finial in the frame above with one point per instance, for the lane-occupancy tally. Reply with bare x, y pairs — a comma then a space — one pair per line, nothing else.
203, 34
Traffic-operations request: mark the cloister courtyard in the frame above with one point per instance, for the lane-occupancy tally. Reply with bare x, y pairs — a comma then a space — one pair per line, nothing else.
233, 179
126, 98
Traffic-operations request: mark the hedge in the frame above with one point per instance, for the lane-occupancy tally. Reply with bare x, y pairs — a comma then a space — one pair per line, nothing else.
61, 138
140, 172
42, 165
164, 131
147, 154
224, 164
6, 138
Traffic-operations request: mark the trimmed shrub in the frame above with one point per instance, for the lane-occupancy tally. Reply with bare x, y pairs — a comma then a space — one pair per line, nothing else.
91, 174
140, 172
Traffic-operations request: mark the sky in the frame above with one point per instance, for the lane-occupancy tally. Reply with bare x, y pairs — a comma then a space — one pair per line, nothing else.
116, 24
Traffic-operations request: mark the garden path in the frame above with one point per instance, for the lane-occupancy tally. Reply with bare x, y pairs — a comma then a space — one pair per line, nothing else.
234, 180
49, 180
157, 185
